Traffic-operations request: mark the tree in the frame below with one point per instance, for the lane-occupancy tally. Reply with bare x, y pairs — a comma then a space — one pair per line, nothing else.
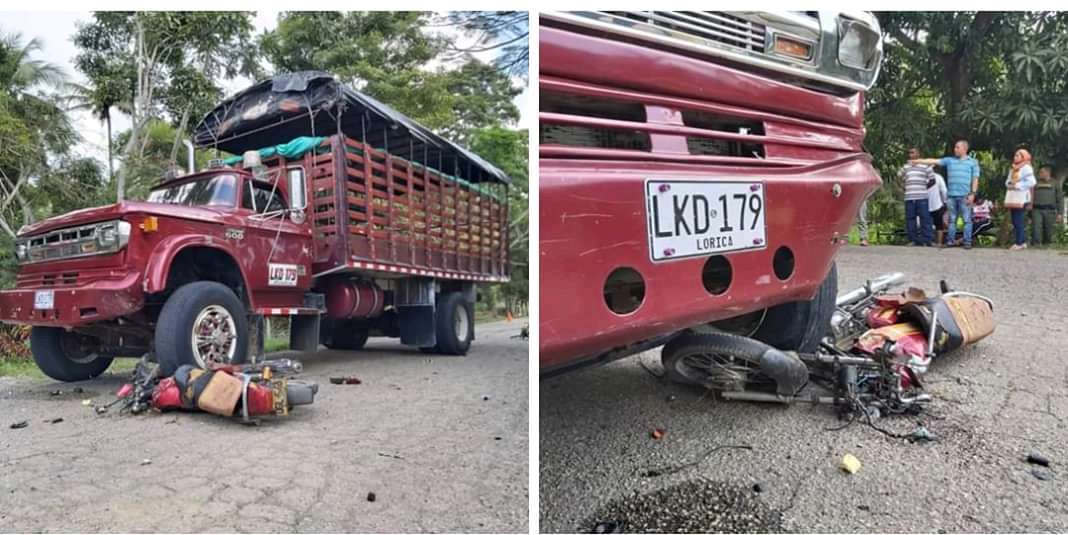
503, 31
391, 57
994, 78
33, 126
99, 100
151, 56
508, 150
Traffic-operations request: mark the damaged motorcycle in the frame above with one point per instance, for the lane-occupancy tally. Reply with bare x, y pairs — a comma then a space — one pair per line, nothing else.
878, 347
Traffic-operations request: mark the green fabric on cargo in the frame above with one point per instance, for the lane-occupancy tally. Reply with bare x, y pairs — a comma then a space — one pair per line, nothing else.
294, 149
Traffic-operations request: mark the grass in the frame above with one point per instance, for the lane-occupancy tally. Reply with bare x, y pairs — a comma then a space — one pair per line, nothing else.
27, 368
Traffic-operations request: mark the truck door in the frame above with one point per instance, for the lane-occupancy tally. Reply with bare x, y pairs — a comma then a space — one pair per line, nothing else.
280, 245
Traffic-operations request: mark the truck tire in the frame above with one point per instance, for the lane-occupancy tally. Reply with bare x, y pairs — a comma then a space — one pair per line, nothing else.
454, 323
348, 337
210, 309
799, 326
61, 355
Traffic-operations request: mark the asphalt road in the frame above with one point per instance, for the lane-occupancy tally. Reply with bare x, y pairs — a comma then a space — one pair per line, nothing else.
995, 403
418, 433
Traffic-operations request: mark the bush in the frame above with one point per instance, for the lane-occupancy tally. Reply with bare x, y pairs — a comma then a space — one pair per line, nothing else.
14, 342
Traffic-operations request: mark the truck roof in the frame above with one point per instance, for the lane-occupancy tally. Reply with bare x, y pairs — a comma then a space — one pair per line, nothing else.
314, 103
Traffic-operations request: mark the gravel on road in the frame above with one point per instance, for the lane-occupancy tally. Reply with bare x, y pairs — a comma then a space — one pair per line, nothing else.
995, 403
424, 443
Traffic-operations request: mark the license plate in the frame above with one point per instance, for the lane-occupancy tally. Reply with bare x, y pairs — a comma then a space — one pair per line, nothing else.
44, 299
698, 218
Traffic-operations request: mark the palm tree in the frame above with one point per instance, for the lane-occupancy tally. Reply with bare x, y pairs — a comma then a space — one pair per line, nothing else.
98, 101
27, 96
19, 73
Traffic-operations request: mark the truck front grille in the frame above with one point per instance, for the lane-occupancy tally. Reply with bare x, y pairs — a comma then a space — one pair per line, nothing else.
718, 26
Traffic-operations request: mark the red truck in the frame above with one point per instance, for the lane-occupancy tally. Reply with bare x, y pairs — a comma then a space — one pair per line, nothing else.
338, 212
698, 170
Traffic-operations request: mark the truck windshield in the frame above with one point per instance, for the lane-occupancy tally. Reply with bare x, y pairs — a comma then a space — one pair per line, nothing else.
217, 190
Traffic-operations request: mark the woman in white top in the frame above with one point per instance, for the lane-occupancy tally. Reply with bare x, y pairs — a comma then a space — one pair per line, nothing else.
936, 204
1021, 179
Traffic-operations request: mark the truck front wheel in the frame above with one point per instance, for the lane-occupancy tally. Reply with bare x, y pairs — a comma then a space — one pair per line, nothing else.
201, 322
66, 356
800, 326
454, 324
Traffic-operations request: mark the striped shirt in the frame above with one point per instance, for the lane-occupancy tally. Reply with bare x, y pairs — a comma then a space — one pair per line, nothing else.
916, 178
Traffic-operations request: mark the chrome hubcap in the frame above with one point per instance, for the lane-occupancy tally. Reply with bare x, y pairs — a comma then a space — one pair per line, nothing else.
214, 336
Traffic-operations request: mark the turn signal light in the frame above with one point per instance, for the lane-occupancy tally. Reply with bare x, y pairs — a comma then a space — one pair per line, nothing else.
150, 224
793, 48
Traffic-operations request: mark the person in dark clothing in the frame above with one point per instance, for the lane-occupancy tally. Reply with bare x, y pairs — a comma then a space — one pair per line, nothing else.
1047, 209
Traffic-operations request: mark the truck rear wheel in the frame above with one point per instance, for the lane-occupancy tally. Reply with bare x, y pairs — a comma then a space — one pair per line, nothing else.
201, 322
66, 356
799, 326
454, 323
347, 336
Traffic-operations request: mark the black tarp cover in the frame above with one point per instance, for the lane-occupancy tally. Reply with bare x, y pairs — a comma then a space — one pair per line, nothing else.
314, 103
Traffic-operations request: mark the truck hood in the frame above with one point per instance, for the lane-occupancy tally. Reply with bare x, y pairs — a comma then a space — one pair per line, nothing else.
118, 210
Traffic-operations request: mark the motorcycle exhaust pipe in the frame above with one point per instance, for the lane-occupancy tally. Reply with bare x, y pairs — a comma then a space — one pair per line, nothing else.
872, 287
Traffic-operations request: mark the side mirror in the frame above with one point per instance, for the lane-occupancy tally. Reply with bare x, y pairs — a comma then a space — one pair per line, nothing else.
298, 197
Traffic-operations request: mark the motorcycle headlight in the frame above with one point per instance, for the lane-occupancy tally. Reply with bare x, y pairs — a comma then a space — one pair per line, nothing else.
859, 45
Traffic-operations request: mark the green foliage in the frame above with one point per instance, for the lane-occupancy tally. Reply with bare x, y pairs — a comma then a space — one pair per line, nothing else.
504, 31
508, 150
389, 56
995, 78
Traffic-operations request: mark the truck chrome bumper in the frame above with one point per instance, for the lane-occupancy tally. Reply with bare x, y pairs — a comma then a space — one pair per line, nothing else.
99, 300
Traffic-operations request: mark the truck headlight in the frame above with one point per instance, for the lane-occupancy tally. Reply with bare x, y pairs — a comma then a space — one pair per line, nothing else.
113, 235
859, 45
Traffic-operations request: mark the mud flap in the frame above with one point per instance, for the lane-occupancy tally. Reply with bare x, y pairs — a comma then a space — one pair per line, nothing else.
304, 332
417, 325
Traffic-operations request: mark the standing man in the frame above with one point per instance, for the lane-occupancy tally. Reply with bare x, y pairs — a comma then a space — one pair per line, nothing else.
962, 181
1047, 208
915, 178
936, 203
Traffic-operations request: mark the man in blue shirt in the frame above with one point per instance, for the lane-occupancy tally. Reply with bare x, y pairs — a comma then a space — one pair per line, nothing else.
962, 181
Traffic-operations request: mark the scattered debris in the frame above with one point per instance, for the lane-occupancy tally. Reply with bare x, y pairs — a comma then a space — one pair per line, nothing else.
371, 497
921, 434
87, 402
606, 527
1042, 473
55, 393
390, 455
656, 472
345, 380
658, 434
849, 463
146, 462
20, 425
863, 507
485, 398
696, 506
758, 488
54, 420
1037, 458
78, 390
671, 398
496, 438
